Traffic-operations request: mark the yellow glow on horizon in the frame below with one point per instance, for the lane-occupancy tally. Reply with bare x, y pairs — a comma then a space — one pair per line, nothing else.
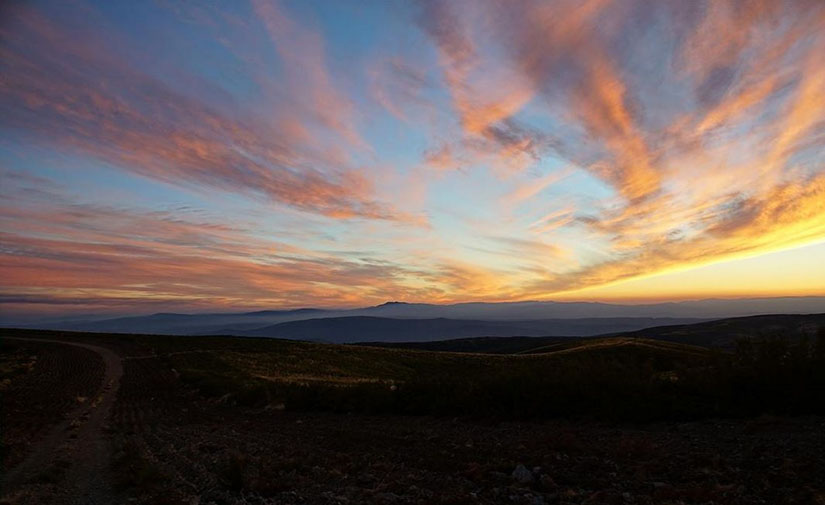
798, 271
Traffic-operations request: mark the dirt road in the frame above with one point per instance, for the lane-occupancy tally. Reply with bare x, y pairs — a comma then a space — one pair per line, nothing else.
76, 450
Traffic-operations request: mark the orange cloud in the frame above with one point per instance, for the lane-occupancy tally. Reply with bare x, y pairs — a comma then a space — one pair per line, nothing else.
486, 95
789, 215
302, 50
534, 187
82, 98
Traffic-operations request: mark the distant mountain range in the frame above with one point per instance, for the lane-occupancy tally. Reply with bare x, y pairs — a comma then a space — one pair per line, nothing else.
704, 309
398, 321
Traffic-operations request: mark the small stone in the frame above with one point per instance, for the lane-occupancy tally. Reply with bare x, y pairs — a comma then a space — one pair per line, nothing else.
548, 483
387, 497
366, 478
522, 475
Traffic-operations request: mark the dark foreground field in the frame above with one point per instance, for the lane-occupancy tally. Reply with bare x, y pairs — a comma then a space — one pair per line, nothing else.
92, 418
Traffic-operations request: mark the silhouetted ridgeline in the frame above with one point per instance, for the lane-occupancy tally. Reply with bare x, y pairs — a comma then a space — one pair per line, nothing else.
726, 332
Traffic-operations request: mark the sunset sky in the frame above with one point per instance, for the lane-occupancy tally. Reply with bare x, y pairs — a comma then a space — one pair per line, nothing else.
164, 155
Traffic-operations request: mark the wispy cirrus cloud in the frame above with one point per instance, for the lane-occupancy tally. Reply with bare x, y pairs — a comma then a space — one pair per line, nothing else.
81, 96
56, 251
121, 253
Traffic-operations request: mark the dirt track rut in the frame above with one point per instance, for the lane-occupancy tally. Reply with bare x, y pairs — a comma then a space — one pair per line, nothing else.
78, 444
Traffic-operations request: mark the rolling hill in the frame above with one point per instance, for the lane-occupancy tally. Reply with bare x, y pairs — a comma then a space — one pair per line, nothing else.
724, 332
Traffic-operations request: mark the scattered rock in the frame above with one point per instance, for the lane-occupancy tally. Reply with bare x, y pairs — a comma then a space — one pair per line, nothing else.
548, 483
387, 497
366, 478
522, 475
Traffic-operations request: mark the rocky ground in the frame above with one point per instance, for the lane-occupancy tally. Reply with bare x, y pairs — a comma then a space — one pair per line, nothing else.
271, 457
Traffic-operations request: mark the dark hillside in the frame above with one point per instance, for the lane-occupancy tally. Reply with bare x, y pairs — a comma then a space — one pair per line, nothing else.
724, 333
485, 345
607, 378
341, 330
